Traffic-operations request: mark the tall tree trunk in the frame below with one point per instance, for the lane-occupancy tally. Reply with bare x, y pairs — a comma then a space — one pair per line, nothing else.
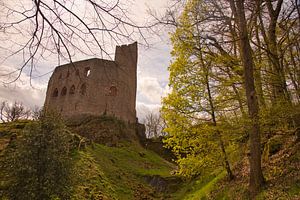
213, 115
257, 71
295, 71
256, 175
212, 109
279, 81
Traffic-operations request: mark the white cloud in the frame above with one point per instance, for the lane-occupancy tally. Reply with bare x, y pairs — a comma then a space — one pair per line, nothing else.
29, 97
144, 109
150, 93
150, 88
21, 90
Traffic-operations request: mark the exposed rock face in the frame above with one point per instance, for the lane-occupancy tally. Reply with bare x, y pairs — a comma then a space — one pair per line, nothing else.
96, 86
167, 184
103, 130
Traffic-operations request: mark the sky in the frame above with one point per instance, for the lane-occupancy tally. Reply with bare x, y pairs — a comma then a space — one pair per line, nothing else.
152, 82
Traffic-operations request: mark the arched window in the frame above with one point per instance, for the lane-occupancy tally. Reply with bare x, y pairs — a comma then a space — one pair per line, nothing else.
87, 71
55, 93
63, 91
72, 89
113, 91
83, 89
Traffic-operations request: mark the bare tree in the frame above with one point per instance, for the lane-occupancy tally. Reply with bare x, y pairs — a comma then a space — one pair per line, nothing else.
154, 125
3, 104
36, 113
16, 111
39, 29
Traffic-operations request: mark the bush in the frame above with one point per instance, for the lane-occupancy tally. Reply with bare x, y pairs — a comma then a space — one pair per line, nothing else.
40, 165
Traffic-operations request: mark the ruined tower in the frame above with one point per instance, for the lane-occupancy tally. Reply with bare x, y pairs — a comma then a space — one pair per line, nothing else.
96, 86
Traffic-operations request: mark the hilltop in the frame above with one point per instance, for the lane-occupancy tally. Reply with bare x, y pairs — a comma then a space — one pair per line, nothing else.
119, 168
123, 169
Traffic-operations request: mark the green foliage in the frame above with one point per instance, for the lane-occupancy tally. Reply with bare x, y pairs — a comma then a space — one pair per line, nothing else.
207, 104
196, 148
39, 167
282, 116
202, 88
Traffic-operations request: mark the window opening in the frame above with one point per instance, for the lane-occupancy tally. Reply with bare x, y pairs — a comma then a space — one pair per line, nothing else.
113, 91
64, 91
72, 89
83, 89
87, 71
55, 93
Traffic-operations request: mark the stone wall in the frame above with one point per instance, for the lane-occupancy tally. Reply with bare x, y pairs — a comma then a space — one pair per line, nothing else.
96, 86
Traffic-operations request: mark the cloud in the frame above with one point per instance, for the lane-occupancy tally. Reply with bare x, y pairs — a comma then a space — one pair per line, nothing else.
20, 90
150, 93
155, 60
150, 88
144, 109
29, 97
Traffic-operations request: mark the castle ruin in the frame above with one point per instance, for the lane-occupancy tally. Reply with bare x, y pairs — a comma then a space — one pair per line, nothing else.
96, 86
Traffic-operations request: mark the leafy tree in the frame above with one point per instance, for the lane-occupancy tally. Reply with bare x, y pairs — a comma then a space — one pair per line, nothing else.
40, 167
193, 108
231, 57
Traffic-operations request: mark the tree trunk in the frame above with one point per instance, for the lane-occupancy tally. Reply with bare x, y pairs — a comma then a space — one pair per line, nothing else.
257, 71
278, 80
212, 108
256, 176
295, 70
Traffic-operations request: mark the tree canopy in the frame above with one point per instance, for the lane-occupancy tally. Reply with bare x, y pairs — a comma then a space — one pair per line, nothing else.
234, 63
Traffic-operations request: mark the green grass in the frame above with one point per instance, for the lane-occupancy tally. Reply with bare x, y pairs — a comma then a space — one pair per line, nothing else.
6, 129
103, 172
200, 187
207, 188
117, 172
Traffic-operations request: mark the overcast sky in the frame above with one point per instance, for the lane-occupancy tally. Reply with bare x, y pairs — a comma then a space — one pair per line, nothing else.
152, 81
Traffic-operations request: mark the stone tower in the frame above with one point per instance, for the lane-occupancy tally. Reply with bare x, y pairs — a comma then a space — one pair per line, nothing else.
96, 86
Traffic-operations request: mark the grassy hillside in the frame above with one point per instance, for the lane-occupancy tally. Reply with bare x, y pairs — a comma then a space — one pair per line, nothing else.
118, 172
126, 170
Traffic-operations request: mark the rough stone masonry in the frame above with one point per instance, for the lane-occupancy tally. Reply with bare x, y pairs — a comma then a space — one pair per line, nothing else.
96, 86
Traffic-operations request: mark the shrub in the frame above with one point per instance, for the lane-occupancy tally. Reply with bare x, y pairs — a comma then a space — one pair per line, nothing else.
40, 165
